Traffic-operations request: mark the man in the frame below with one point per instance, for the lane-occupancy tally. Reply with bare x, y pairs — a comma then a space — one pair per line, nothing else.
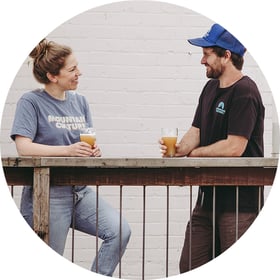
229, 122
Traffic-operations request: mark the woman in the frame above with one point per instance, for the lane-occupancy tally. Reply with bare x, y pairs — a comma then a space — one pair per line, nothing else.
47, 123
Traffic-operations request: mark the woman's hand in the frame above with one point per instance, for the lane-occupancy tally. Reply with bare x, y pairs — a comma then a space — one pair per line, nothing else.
83, 149
96, 152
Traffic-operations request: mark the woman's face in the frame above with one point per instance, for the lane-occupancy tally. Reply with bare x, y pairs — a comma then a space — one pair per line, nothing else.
68, 77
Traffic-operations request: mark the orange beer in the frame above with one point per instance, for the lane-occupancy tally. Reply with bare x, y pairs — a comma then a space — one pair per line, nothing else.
169, 142
169, 138
88, 135
88, 138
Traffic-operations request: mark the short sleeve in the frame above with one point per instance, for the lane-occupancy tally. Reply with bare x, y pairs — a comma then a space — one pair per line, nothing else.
25, 121
243, 113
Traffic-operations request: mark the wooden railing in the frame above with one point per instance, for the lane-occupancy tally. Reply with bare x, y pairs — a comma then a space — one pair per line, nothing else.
41, 172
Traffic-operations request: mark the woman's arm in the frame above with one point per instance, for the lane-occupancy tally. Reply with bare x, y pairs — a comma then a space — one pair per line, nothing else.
25, 147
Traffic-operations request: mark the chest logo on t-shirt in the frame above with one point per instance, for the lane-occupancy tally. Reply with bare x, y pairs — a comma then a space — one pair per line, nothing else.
221, 108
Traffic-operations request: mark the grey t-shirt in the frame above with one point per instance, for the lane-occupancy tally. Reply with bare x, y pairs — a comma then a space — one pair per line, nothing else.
49, 121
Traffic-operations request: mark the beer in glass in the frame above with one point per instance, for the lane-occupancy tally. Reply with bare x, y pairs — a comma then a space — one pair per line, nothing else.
88, 135
169, 138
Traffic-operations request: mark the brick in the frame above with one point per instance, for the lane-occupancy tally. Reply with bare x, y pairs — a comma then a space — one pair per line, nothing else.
139, 74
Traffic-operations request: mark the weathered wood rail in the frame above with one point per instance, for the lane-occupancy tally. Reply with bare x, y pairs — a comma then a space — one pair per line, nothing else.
41, 172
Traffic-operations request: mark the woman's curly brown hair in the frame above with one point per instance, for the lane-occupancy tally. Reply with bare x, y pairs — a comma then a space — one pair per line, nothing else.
48, 57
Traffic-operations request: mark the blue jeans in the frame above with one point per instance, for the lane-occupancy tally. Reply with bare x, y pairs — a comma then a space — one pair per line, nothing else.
61, 212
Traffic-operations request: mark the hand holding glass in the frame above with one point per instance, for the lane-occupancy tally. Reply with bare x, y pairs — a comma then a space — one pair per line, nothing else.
88, 135
169, 138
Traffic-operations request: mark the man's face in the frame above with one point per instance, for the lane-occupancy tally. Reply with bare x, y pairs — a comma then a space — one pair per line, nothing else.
213, 63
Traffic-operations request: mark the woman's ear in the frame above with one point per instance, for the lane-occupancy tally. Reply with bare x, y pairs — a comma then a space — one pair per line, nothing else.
52, 77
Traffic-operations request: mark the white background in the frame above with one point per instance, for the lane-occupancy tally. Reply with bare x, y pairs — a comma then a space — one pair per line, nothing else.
22, 25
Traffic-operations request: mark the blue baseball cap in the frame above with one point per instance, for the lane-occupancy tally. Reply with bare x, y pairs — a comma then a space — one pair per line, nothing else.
220, 37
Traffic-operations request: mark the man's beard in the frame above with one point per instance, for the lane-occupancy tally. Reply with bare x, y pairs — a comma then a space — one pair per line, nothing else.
213, 73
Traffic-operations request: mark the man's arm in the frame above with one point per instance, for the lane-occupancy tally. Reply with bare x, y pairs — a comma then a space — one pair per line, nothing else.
233, 146
189, 142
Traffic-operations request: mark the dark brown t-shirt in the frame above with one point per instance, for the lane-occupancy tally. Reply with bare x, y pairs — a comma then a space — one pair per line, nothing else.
235, 110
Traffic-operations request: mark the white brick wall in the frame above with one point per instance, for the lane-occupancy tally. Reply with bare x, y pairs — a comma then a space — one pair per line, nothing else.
139, 74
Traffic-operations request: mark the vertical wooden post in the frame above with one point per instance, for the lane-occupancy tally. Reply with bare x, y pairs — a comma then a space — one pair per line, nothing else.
41, 193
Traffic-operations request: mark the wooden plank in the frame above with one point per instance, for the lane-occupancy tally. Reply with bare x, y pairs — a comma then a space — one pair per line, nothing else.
137, 162
18, 176
21, 161
158, 162
41, 202
154, 171
162, 176
234, 176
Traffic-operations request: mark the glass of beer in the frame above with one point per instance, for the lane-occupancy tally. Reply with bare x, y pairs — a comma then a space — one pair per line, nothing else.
88, 135
169, 138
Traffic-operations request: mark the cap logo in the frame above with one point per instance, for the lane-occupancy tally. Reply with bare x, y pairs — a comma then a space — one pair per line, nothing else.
207, 34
